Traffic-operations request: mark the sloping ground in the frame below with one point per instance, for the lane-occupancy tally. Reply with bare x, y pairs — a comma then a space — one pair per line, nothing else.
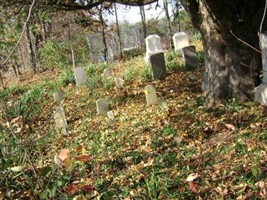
146, 152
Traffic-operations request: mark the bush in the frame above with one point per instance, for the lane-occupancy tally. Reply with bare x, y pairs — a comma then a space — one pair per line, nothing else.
67, 77
131, 53
52, 56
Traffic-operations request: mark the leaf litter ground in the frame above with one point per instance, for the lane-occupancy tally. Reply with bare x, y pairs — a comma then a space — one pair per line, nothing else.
148, 152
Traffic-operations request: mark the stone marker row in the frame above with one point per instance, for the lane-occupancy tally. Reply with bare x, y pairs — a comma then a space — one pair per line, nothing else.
155, 56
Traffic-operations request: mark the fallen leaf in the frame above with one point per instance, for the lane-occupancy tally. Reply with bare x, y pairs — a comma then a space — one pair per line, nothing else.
63, 154
83, 158
57, 161
16, 169
67, 163
79, 148
71, 189
193, 187
192, 177
230, 126
88, 188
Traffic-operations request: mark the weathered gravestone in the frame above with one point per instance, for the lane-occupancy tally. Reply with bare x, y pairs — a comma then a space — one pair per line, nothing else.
158, 66
261, 90
153, 46
102, 106
60, 120
58, 97
106, 73
119, 81
79, 76
190, 57
180, 40
151, 95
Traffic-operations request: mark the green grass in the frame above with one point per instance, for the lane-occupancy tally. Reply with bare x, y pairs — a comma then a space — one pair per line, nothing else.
136, 155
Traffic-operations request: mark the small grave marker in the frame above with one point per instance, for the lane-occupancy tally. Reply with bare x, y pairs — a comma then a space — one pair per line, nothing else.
58, 97
106, 73
119, 81
180, 40
158, 66
151, 95
79, 76
190, 57
60, 120
102, 106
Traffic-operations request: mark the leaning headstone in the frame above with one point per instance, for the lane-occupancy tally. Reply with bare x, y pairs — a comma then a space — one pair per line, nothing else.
158, 66
106, 73
79, 76
180, 40
153, 46
190, 57
119, 81
151, 95
102, 106
60, 120
58, 97
261, 90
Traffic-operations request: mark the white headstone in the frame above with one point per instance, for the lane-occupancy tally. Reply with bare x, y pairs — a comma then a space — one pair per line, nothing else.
58, 97
263, 45
60, 120
261, 90
79, 76
106, 73
102, 106
180, 40
153, 46
151, 95
119, 81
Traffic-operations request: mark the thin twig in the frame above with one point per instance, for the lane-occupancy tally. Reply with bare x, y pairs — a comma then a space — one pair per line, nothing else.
21, 34
263, 17
257, 50
34, 171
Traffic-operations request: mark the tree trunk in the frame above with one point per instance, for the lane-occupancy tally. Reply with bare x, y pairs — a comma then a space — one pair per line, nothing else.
105, 51
33, 52
231, 66
165, 5
118, 31
143, 18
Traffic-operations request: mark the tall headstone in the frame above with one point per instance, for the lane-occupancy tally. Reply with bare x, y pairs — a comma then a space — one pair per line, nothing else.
190, 57
158, 66
153, 46
151, 95
79, 76
119, 81
102, 106
261, 90
58, 97
60, 120
180, 40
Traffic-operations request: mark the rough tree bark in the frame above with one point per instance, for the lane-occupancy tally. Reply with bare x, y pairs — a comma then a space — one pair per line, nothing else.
232, 68
143, 19
118, 31
105, 51
166, 9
